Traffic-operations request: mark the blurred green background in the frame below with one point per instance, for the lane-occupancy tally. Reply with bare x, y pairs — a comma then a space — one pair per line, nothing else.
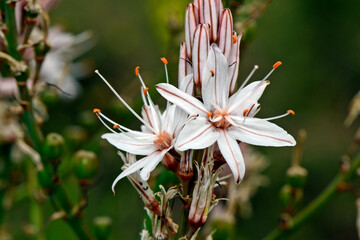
319, 45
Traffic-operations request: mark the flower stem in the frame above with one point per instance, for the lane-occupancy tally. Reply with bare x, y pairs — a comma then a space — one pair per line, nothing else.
329, 193
185, 211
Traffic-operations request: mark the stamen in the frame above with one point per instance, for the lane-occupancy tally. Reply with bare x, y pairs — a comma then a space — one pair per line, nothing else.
209, 114
96, 111
164, 60
291, 112
281, 116
115, 126
137, 71
245, 112
102, 121
277, 64
145, 91
234, 38
212, 72
249, 76
123, 101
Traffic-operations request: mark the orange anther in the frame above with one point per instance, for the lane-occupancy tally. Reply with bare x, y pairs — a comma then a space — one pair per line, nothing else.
145, 91
245, 112
137, 71
164, 60
212, 72
277, 64
291, 112
96, 111
209, 114
116, 126
234, 39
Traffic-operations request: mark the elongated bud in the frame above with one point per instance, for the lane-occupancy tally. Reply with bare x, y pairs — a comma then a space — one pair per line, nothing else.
234, 61
182, 71
102, 227
225, 40
200, 52
211, 17
85, 166
54, 146
190, 26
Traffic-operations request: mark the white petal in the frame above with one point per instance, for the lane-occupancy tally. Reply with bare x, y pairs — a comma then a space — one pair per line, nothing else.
153, 157
187, 85
196, 134
261, 132
230, 150
142, 145
183, 100
215, 89
151, 165
246, 97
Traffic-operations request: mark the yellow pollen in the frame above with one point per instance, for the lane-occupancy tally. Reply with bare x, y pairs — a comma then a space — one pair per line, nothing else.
291, 112
245, 112
116, 126
145, 91
234, 39
137, 71
209, 114
212, 72
96, 111
277, 64
164, 60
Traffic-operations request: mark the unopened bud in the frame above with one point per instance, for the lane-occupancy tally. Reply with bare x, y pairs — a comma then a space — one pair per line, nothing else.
296, 176
41, 49
54, 146
49, 97
285, 195
102, 227
85, 166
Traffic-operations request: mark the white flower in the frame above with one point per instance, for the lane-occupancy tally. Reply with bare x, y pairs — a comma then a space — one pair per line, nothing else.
225, 119
156, 138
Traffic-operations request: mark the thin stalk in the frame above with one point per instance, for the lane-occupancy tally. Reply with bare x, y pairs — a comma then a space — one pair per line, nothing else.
11, 35
36, 218
330, 192
184, 212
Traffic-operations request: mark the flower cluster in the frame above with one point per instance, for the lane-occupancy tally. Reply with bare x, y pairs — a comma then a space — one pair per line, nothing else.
203, 113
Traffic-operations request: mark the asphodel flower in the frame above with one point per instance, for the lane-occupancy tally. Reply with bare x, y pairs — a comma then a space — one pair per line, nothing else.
223, 119
156, 139
206, 22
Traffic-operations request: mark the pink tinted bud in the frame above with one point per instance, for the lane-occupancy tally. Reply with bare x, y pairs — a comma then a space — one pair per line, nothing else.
225, 40
190, 26
234, 61
211, 17
200, 52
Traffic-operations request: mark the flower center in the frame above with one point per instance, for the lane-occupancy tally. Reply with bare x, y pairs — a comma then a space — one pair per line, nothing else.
163, 141
220, 114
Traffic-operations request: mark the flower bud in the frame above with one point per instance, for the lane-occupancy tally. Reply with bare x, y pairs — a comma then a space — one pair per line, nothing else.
54, 146
285, 195
296, 176
49, 97
85, 166
102, 227
41, 49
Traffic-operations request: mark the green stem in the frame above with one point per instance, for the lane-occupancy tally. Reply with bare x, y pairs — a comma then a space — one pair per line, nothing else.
11, 35
330, 192
184, 212
36, 218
